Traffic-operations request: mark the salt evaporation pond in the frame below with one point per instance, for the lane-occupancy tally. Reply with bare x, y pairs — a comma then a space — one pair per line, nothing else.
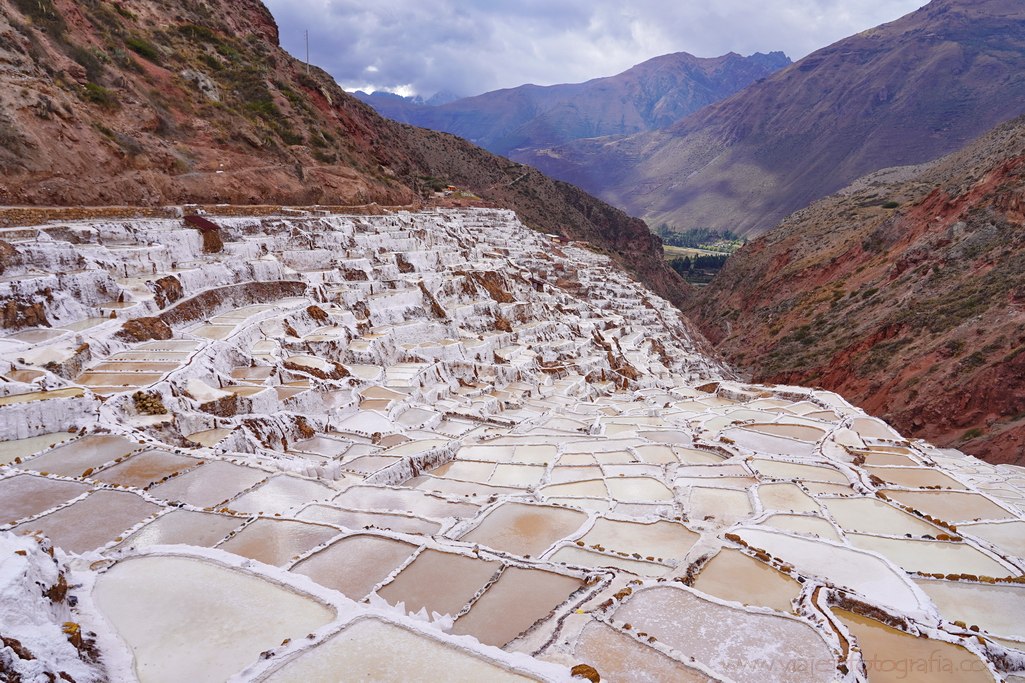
188, 619
435, 446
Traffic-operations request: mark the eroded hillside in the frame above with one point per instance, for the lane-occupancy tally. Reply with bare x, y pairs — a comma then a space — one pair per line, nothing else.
152, 102
906, 292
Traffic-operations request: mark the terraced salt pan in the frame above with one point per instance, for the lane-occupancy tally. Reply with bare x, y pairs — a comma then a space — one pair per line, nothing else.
873, 516
355, 564
803, 524
719, 506
25, 495
739, 644
409, 656
83, 454
933, 557
950, 506
145, 468
403, 500
526, 530
996, 608
659, 539
788, 470
359, 520
280, 493
620, 657
22, 448
915, 477
864, 573
183, 527
187, 619
210, 484
439, 582
94, 521
1009, 537
732, 575
638, 489
892, 656
768, 443
519, 599
785, 497
277, 541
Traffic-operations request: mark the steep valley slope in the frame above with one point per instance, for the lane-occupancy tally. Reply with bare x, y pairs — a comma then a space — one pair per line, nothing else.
153, 102
903, 93
905, 292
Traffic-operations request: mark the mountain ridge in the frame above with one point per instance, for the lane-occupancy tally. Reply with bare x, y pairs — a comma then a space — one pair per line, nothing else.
902, 93
649, 95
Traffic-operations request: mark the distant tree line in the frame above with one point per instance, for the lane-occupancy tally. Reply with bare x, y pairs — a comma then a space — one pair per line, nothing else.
695, 238
700, 268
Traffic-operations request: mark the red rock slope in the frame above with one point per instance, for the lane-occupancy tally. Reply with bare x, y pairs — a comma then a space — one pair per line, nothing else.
916, 313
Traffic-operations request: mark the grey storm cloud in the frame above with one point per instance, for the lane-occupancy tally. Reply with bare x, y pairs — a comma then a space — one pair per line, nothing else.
469, 47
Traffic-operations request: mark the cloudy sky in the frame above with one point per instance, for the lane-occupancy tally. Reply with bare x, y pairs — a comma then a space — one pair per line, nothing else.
473, 46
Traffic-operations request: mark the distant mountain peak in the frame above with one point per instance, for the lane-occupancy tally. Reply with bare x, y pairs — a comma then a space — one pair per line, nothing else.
649, 95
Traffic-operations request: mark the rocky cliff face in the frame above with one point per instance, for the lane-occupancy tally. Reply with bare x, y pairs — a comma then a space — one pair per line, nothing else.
651, 95
903, 93
156, 102
906, 292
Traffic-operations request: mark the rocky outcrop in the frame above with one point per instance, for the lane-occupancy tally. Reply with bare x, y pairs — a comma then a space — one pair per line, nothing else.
906, 292
144, 329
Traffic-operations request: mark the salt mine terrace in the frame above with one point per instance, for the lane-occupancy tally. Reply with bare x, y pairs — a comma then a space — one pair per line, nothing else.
440, 445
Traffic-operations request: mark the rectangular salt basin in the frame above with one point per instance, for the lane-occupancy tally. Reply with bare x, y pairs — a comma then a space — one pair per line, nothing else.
788, 470
950, 506
182, 527
915, 477
280, 493
22, 448
440, 582
514, 603
861, 572
803, 524
933, 557
145, 468
26, 495
86, 453
526, 530
96, 520
722, 506
118, 379
732, 575
871, 515
996, 608
210, 484
661, 539
408, 656
187, 619
277, 541
785, 497
354, 565
892, 656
